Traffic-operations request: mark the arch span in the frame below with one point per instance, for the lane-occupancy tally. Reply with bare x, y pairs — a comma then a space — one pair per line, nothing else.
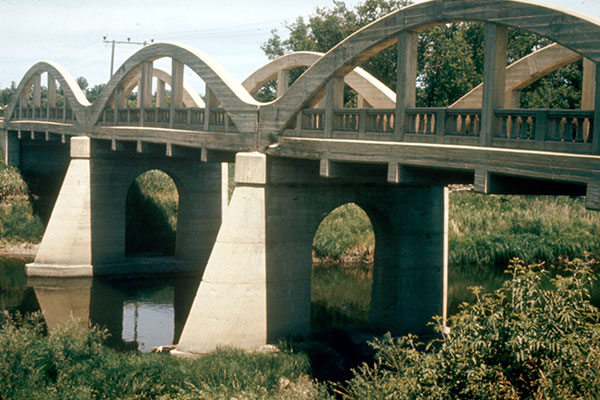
375, 92
577, 33
190, 96
226, 89
71, 90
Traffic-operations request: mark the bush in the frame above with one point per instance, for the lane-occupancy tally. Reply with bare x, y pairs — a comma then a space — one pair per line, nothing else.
538, 337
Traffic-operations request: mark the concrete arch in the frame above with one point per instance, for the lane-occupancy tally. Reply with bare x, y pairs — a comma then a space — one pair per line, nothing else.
190, 97
226, 89
71, 90
524, 72
375, 92
577, 33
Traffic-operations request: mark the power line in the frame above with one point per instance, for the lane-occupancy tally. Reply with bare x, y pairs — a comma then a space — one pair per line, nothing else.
112, 53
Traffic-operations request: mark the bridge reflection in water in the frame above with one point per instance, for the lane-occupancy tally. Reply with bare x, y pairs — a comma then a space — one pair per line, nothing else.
139, 313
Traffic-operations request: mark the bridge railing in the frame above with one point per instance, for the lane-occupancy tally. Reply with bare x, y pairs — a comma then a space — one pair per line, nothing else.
184, 118
54, 114
552, 130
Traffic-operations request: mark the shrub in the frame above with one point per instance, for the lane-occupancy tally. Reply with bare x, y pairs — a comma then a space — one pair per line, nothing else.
538, 337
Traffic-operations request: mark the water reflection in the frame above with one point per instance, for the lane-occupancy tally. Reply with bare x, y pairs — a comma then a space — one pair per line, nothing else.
139, 312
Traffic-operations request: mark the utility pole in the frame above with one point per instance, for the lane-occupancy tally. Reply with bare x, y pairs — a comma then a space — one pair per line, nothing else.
112, 53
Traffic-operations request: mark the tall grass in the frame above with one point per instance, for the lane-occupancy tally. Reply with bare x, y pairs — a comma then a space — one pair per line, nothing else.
70, 362
486, 229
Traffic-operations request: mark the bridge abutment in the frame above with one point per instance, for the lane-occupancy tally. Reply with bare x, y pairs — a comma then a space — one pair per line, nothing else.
256, 286
86, 232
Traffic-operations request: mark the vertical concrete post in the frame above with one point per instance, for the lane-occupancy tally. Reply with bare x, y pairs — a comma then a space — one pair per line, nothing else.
494, 79
210, 102
37, 90
334, 98
596, 138
406, 79
51, 95
145, 89
410, 275
176, 89
588, 86
160, 93
283, 81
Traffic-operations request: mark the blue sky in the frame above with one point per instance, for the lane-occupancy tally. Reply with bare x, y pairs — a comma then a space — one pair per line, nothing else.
231, 31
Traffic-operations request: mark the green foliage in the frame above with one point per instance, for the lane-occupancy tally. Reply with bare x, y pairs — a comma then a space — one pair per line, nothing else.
151, 220
11, 183
6, 94
70, 362
527, 340
17, 220
346, 229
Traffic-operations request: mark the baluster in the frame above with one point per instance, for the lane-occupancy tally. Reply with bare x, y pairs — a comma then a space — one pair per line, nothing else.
573, 130
529, 129
508, 130
459, 124
586, 130
432, 125
392, 119
576, 131
468, 125
417, 122
563, 122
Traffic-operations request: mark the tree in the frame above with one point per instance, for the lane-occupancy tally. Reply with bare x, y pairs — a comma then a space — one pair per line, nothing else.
83, 83
7, 94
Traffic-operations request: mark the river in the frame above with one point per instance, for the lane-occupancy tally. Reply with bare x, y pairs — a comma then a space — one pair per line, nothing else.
143, 312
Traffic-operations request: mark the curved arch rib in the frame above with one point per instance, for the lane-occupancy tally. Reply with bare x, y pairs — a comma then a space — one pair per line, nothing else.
373, 38
524, 72
71, 89
240, 105
375, 92
190, 97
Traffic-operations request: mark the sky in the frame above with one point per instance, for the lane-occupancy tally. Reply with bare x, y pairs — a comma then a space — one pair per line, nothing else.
231, 31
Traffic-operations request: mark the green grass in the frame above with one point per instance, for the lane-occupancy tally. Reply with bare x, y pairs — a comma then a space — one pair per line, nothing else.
70, 362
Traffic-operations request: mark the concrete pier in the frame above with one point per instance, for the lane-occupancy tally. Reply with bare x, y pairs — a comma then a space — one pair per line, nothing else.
256, 287
86, 232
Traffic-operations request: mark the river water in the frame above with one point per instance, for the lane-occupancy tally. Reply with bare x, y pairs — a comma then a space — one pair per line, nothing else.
143, 312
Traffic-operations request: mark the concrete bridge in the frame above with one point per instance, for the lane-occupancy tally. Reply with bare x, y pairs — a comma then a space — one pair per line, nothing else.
302, 155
